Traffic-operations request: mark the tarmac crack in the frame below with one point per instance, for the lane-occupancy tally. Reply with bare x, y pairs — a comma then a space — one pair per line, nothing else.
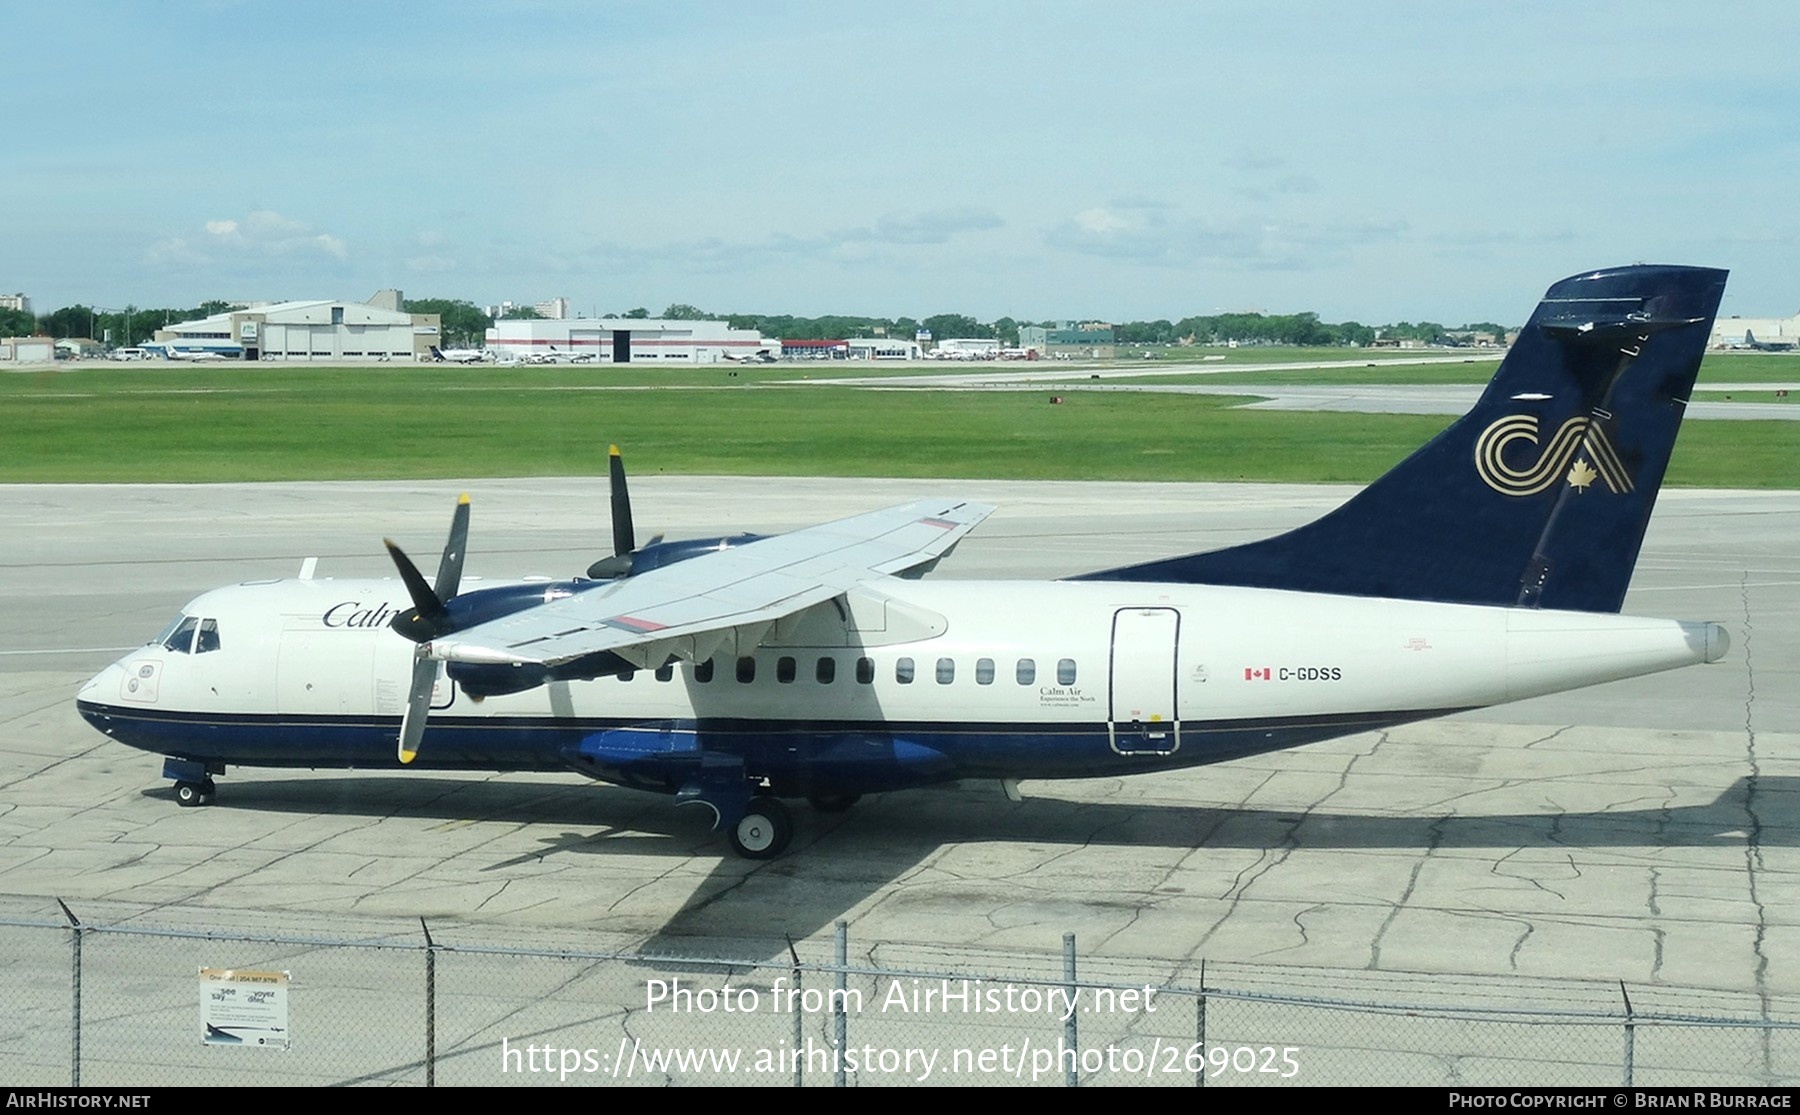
1274, 857
1436, 830
1546, 739
37, 772
1753, 847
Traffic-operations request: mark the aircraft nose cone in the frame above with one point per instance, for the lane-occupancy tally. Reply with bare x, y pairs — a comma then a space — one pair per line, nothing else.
104, 687
91, 689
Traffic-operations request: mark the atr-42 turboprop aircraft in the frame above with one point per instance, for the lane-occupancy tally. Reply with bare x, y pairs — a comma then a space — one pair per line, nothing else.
1489, 566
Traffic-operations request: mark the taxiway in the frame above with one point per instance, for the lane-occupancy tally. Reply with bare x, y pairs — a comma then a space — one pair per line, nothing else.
1646, 831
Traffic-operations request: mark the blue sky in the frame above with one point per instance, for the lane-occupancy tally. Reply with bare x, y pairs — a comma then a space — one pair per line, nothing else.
1373, 161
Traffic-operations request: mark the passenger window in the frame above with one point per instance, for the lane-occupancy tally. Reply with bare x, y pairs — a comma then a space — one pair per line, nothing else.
665, 672
209, 636
746, 669
826, 671
703, 671
181, 640
784, 669
1027, 671
946, 671
1065, 671
865, 671
984, 671
903, 671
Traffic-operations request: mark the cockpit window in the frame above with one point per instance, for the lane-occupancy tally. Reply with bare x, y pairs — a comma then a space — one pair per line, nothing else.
190, 635
179, 636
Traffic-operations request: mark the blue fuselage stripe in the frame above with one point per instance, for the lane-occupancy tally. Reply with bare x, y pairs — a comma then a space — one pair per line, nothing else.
795, 754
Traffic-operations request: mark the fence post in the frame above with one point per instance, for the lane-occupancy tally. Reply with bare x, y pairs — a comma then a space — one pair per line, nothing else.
430, 1006
74, 994
1200, 1028
1630, 1034
1071, 1029
799, 1032
843, 986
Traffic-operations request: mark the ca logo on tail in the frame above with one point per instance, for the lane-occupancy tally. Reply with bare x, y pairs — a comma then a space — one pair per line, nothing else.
1579, 452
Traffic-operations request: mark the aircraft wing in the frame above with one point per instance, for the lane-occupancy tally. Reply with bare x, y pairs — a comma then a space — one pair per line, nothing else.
690, 608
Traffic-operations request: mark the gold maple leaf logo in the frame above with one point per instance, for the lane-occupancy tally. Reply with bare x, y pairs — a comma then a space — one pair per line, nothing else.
1581, 474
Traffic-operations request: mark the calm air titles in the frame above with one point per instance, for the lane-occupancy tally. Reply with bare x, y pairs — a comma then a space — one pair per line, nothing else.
354, 613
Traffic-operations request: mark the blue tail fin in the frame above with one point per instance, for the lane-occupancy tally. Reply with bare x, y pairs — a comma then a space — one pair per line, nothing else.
1537, 497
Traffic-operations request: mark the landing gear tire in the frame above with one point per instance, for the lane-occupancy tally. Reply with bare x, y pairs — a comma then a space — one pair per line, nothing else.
833, 803
190, 794
764, 830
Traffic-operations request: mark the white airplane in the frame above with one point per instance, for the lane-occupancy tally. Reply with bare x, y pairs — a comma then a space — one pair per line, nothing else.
760, 356
458, 355
197, 355
559, 356
1488, 567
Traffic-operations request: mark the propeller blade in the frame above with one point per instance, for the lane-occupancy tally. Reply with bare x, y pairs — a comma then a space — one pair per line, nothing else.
450, 569
418, 706
429, 617
421, 624
624, 538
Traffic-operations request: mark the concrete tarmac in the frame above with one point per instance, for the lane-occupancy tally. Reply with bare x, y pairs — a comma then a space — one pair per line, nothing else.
1646, 831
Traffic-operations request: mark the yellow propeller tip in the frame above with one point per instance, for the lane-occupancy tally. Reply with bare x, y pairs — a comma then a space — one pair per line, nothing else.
464, 498
612, 451
408, 756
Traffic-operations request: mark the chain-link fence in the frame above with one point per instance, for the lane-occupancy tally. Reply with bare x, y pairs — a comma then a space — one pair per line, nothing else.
131, 1004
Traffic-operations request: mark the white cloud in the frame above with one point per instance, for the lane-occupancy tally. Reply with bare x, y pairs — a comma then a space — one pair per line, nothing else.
262, 233
857, 244
1150, 233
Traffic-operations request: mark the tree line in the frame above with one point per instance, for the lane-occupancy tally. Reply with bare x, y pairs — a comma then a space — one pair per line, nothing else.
465, 324
121, 328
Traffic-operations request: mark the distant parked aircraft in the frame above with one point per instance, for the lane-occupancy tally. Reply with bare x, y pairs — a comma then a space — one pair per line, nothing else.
198, 355
458, 355
1751, 342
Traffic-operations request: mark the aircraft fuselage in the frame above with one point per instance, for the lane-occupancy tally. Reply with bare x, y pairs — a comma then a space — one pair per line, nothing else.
910, 683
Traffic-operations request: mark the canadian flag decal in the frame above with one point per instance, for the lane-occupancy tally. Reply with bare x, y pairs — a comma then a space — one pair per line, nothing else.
1256, 675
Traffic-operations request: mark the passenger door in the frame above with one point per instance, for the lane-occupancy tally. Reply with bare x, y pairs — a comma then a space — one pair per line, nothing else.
1143, 718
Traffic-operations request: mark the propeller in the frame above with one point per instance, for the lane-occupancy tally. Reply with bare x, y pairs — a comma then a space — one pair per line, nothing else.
429, 618
624, 537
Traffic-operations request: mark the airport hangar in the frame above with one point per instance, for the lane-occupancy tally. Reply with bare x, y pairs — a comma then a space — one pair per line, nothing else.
1729, 331
316, 329
626, 340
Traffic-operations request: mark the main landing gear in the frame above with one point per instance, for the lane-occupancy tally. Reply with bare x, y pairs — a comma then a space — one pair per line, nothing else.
195, 793
766, 827
755, 822
763, 832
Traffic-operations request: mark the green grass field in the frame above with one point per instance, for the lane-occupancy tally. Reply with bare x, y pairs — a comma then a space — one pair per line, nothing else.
187, 425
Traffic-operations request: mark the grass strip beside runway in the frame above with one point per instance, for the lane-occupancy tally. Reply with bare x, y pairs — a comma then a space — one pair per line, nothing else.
274, 422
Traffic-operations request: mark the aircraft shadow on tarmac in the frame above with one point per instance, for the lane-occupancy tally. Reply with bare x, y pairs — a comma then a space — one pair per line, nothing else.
840, 860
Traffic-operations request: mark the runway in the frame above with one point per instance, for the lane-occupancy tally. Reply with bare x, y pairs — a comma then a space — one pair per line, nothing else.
1647, 831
